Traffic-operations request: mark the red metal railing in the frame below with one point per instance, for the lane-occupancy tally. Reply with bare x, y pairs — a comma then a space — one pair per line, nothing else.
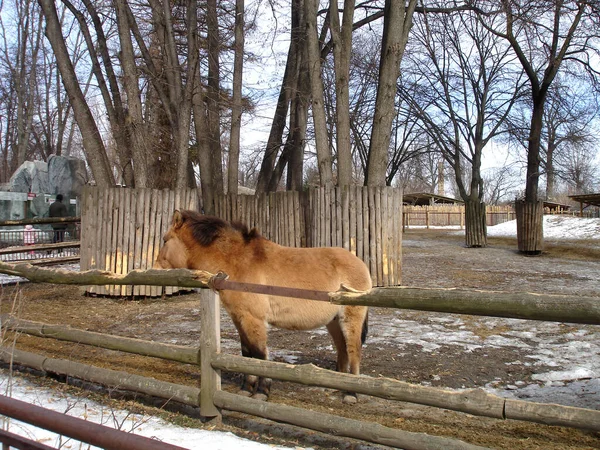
73, 427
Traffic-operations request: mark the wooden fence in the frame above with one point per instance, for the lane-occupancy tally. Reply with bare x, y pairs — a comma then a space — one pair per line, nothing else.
451, 215
211, 399
364, 220
122, 230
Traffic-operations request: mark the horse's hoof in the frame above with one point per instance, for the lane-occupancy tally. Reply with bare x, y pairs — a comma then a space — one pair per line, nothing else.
350, 399
260, 397
244, 393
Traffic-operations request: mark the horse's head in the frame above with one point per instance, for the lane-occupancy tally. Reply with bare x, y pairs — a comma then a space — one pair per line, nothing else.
196, 241
174, 252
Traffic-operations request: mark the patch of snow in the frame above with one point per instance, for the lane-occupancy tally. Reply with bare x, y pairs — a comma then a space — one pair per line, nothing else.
143, 425
555, 227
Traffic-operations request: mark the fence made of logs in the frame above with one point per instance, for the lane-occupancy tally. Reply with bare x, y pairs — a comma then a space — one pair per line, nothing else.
122, 228
211, 399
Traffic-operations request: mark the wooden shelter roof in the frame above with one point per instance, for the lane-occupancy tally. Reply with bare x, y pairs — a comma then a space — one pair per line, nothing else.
424, 198
587, 199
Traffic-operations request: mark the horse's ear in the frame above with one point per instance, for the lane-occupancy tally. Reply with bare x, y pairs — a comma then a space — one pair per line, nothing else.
177, 219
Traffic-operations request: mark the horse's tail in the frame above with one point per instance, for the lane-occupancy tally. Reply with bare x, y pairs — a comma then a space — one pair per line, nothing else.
365, 329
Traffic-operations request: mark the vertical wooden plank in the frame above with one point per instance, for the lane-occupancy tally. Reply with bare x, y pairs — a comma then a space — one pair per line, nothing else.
154, 236
210, 344
130, 254
327, 211
298, 222
384, 237
359, 222
398, 206
291, 219
378, 249
365, 225
352, 219
138, 256
167, 212
105, 251
145, 257
372, 234
345, 191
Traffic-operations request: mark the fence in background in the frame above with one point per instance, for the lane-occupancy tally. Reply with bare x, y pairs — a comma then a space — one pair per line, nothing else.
36, 242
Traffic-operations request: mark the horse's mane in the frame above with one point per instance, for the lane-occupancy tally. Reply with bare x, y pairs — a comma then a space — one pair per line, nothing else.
206, 229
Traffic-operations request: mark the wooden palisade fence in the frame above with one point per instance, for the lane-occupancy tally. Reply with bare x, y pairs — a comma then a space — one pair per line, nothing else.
210, 398
364, 220
122, 228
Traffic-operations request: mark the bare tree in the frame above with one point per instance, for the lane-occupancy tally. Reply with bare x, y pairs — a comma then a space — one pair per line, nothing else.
236, 109
545, 36
397, 22
464, 91
92, 141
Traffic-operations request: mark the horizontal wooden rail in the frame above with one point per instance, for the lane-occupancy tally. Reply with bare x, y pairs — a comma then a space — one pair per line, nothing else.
338, 426
39, 221
516, 305
80, 429
179, 353
473, 401
106, 377
30, 248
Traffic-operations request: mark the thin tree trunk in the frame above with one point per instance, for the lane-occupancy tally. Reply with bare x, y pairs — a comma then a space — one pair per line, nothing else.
396, 25
290, 80
92, 141
214, 126
342, 46
317, 97
135, 120
236, 110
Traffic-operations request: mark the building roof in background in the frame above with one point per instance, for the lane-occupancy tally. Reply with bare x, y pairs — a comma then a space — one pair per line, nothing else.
424, 198
587, 199
556, 205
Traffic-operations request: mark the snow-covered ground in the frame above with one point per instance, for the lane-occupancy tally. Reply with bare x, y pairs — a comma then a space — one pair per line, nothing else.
576, 359
148, 426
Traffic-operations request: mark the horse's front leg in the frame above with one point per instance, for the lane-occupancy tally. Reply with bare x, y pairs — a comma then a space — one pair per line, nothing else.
253, 337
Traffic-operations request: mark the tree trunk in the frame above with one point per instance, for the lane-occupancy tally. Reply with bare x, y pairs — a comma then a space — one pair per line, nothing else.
318, 104
214, 126
342, 46
92, 140
475, 224
204, 154
530, 226
236, 109
397, 22
134, 117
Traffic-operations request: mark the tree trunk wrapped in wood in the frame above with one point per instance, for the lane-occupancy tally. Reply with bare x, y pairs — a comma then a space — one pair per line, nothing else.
475, 224
530, 230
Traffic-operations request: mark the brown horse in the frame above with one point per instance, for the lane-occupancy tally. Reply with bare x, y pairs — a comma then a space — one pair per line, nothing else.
195, 241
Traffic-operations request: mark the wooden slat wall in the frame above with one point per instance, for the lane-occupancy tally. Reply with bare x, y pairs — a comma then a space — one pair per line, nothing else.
122, 230
364, 220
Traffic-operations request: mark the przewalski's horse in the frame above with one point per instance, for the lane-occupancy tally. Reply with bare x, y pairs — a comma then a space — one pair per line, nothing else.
199, 242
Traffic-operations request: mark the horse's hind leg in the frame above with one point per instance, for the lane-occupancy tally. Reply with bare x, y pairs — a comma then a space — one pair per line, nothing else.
353, 328
253, 336
340, 344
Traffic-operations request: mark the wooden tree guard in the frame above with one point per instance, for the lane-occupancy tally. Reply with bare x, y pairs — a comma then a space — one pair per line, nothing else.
530, 230
475, 224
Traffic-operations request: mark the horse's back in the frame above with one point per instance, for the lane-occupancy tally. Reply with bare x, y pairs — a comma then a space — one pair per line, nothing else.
319, 268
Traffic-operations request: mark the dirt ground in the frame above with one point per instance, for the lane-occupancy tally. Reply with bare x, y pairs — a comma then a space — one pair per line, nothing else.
430, 258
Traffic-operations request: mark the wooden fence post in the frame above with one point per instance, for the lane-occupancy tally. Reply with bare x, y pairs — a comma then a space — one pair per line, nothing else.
210, 344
